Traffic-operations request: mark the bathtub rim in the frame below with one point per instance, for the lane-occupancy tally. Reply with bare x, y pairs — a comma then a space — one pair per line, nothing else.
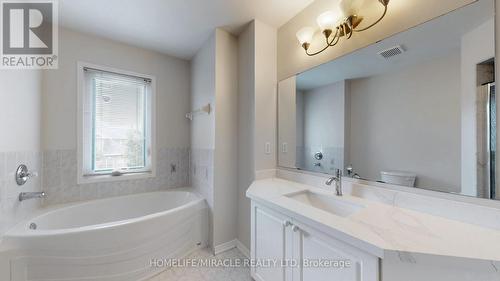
21, 229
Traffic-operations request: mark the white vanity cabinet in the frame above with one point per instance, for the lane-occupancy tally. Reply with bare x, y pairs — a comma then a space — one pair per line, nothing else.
277, 237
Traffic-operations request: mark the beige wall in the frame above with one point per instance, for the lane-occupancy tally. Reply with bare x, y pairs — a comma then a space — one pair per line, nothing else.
257, 112
324, 127
20, 110
402, 15
246, 125
202, 93
287, 123
203, 126
60, 88
409, 120
266, 84
226, 137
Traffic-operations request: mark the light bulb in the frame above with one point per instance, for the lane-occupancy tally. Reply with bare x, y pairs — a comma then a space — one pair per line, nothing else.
350, 7
305, 35
328, 20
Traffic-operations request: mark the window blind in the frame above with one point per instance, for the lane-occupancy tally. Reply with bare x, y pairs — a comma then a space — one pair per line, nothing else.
119, 120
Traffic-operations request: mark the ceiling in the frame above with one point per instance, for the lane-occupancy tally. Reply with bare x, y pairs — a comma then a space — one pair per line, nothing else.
174, 27
424, 42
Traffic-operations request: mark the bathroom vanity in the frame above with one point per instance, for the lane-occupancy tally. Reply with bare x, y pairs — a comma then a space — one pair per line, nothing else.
364, 235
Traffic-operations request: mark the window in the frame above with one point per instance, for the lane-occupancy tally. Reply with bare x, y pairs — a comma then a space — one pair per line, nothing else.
116, 124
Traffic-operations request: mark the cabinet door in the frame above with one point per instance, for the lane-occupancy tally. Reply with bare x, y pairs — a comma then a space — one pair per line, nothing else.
271, 241
314, 247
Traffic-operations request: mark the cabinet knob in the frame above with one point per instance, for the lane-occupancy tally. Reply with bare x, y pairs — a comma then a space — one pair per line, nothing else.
295, 228
287, 223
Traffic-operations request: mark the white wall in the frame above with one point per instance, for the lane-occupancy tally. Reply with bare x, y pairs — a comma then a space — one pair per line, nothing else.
20, 113
60, 89
409, 120
226, 138
477, 46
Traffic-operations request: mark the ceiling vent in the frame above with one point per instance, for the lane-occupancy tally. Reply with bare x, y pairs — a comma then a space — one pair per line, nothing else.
391, 52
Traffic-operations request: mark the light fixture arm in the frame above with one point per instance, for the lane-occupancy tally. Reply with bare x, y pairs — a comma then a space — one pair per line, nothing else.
385, 3
336, 38
346, 28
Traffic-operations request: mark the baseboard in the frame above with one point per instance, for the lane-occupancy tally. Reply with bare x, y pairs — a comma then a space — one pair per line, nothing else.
225, 247
231, 245
243, 249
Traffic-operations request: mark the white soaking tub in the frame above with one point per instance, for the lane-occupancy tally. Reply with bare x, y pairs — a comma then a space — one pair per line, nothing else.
107, 239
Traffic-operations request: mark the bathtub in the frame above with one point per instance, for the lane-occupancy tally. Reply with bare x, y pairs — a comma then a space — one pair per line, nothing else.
112, 239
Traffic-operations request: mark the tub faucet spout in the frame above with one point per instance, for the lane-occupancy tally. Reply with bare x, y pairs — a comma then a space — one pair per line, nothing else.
31, 195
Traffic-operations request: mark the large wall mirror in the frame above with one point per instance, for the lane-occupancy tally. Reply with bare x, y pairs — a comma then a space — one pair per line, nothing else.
417, 109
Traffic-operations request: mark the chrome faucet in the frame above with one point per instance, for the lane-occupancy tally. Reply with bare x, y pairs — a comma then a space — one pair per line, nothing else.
31, 195
338, 182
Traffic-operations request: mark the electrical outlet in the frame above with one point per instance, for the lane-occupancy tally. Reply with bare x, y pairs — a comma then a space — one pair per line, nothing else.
268, 148
284, 147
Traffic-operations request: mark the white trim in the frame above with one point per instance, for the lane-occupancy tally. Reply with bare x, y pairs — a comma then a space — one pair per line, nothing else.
81, 178
221, 248
243, 249
231, 245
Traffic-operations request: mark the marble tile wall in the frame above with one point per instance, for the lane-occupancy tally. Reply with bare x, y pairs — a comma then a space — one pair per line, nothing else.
59, 177
202, 173
11, 210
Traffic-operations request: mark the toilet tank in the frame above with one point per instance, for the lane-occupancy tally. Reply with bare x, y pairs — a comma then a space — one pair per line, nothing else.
398, 178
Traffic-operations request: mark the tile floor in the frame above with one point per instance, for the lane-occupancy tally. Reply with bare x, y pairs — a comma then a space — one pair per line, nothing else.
208, 273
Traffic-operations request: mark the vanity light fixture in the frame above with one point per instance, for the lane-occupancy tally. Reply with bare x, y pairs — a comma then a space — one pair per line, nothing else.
337, 24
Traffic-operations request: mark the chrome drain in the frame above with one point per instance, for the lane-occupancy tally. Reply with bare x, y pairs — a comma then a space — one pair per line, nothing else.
33, 225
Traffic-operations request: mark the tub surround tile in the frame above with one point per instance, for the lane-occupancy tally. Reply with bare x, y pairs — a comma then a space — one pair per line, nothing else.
59, 177
202, 173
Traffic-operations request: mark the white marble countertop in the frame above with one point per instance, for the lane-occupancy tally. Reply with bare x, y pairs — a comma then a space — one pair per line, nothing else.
379, 227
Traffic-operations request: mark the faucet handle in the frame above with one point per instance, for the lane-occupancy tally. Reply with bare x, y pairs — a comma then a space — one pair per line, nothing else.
32, 175
338, 173
23, 174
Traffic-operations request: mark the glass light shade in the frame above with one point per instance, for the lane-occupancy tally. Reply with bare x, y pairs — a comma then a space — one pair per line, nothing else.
350, 7
328, 20
305, 35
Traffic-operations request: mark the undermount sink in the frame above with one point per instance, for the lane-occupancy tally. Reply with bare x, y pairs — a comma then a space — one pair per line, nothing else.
326, 203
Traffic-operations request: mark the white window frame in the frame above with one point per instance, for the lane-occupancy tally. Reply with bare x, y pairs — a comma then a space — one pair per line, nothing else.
83, 119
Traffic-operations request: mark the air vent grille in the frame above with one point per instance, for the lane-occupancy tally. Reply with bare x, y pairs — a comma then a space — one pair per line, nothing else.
391, 52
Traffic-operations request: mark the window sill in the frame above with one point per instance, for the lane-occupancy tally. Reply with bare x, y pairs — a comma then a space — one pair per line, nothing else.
82, 179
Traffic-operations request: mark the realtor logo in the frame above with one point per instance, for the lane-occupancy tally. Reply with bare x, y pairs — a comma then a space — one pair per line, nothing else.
29, 34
